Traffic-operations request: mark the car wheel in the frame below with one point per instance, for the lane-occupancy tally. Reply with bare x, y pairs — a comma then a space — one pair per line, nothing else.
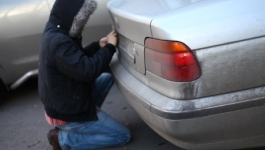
3, 90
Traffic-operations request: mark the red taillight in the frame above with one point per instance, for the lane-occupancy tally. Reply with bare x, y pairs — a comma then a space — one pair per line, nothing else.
171, 60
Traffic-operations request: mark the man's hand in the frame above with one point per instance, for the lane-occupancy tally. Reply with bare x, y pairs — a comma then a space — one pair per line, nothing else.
111, 38
103, 42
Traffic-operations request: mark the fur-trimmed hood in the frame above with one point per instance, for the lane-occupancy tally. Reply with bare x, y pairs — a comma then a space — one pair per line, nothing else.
72, 15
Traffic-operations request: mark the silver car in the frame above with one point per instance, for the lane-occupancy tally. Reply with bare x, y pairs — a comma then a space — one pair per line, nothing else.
21, 25
194, 70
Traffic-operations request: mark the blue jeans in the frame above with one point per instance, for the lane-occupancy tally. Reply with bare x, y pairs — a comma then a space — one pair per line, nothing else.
103, 132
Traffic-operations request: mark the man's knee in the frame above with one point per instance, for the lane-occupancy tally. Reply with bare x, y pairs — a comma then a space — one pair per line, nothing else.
127, 137
124, 138
107, 75
108, 78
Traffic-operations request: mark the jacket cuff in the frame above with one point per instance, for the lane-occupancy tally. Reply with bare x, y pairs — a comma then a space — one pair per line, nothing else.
96, 44
110, 47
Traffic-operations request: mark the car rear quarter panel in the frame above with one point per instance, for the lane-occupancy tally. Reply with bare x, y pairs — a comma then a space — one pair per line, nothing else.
227, 38
231, 67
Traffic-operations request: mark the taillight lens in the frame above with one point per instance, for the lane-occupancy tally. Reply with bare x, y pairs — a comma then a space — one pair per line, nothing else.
171, 60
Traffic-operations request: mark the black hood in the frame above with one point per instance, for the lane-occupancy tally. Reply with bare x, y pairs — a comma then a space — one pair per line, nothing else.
64, 13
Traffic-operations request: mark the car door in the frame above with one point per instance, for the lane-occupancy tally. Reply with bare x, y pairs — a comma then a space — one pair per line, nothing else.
21, 25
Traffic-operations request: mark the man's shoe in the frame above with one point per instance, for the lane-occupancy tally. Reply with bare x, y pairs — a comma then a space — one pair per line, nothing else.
53, 138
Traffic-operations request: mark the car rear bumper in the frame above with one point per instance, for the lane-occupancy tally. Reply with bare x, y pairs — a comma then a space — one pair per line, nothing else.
233, 120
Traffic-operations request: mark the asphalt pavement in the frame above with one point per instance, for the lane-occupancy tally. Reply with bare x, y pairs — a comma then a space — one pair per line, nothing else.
23, 127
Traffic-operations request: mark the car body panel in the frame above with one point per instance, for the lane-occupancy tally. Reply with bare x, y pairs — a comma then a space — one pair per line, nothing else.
231, 67
135, 23
212, 22
224, 108
129, 14
225, 68
21, 26
196, 123
22, 23
231, 58
170, 108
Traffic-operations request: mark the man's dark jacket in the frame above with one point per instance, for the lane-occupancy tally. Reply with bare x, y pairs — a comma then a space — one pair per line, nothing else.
67, 71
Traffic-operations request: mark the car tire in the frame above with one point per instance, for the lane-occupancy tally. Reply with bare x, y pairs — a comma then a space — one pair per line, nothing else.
3, 90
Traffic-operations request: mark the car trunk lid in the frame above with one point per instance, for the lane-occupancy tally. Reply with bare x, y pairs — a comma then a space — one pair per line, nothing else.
132, 20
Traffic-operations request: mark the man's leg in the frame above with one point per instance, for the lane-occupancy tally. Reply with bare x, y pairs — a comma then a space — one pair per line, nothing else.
101, 89
93, 134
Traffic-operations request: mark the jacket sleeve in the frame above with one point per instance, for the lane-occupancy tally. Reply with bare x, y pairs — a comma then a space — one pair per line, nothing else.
74, 63
92, 48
